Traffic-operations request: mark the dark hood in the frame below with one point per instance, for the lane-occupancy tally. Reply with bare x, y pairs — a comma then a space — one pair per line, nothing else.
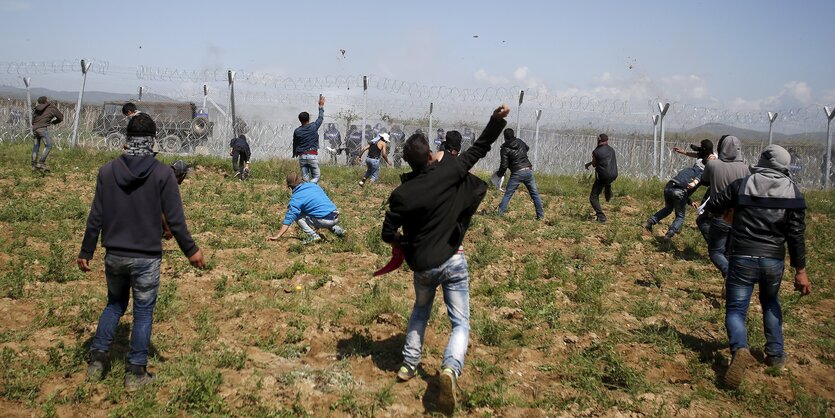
730, 149
131, 172
39, 108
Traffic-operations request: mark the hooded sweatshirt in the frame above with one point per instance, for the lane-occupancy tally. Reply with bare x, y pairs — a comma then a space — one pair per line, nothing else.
728, 167
769, 211
131, 192
44, 115
434, 206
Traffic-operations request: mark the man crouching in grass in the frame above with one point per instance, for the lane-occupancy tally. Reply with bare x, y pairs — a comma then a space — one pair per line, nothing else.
130, 191
434, 205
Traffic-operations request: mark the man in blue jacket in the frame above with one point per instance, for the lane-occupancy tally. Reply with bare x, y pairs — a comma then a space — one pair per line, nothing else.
306, 143
130, 191
311, 208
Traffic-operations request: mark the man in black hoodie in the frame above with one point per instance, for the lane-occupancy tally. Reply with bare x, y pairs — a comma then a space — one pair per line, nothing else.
130, 191
44, 114
514, 155
433, 206
605, 164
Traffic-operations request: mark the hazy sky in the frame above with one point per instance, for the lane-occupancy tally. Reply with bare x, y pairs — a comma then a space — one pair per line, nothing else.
742, 55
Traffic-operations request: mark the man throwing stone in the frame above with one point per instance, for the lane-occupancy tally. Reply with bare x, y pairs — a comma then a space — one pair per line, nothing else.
306, 143
431, 244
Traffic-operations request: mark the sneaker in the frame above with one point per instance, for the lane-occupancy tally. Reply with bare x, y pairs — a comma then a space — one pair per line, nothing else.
98, 366
739, 366
406, 373
136, 377
41, 166
667, 237
34, 166
338, 231
778, 362
362, 183
311, 239
648, 225
448, 397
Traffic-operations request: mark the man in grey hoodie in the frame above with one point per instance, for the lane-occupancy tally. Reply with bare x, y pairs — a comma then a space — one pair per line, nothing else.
769, 219
44, 114
719, 174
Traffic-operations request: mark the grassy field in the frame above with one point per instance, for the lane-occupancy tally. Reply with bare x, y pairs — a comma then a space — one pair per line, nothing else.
569, 317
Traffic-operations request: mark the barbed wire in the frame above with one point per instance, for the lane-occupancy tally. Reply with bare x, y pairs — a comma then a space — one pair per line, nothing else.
53, 67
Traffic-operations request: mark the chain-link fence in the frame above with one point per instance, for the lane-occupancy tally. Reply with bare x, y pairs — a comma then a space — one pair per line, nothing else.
267, 106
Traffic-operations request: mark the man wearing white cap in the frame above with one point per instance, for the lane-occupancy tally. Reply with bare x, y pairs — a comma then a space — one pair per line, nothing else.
377, 148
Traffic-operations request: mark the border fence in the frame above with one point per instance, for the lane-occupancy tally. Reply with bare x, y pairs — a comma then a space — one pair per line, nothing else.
266, 105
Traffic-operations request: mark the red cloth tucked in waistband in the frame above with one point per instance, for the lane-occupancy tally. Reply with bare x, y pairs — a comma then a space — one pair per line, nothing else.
310, 152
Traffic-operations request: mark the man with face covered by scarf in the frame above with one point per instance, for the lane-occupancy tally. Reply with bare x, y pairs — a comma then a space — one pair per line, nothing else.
769, 213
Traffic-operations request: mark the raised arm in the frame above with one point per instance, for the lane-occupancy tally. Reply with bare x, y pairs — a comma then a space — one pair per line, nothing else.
481, 146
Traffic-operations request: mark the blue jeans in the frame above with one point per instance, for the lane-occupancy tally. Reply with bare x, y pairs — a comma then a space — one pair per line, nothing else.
454, 279
675, 198
522, 177
743, 273
703, 223
373, 168
41, 134
717, 242
309, 163
309, 225
126, 274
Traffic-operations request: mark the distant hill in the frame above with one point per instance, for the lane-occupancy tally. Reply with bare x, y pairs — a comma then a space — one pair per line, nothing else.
90, 97
715, 130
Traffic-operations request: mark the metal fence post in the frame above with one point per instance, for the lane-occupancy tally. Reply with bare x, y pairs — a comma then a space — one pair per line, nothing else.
26, 81
141, 90
663, 107
85, 66
431, 108
536, 137
230, 75
364, 104
655, 145
830, 113
519, 113
772, 116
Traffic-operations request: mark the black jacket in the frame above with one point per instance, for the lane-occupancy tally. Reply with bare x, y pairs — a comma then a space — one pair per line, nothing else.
514, 155
241, 145
131, 193
605, 162
435, 206
762, 226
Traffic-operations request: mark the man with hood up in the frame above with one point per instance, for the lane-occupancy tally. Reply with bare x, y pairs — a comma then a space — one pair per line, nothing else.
769, 215
718, 174
130, 191
514, 155
43, 115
